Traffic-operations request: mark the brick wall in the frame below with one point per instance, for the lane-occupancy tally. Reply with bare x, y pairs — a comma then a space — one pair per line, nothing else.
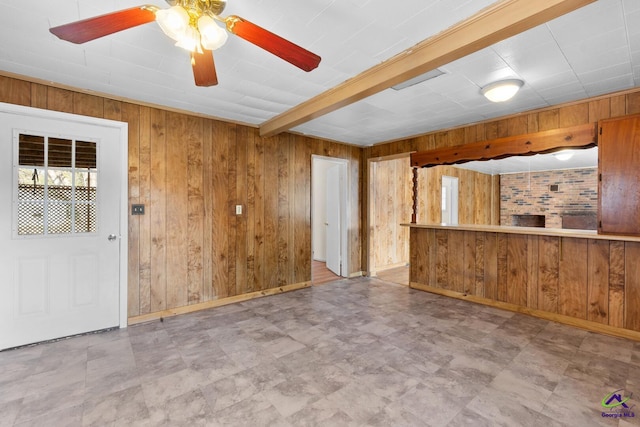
530, 193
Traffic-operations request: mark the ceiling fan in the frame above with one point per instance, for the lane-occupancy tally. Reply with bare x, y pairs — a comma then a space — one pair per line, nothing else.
193, 24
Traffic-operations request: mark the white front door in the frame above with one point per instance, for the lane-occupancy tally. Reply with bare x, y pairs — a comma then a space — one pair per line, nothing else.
60, 218
333, 225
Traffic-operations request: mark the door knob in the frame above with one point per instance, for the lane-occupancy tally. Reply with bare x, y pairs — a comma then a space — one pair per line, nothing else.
112, 237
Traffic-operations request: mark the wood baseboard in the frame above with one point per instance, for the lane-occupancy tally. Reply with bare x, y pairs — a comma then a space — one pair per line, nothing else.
215, 303
554, 317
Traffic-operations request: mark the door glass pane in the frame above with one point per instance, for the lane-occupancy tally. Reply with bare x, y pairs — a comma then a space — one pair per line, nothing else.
31, 152
85, 155
60, 153
85, 217
57, 184
58, 218
30, 218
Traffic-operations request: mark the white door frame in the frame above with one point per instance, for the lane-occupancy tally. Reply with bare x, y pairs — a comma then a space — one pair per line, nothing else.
124, 191
345, 215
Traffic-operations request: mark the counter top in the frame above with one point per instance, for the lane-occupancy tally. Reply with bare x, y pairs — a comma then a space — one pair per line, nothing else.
539, 231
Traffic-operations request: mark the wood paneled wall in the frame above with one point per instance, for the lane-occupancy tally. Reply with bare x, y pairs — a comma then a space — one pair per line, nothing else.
478, 193
391, 201
588, 279
191, 172
556, 117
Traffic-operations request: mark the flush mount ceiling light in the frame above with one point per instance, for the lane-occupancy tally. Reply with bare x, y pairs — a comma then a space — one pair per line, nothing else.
563, 155
502, 91
196, 26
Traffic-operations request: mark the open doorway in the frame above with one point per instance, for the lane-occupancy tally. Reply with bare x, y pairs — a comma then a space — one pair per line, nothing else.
329, 219
390, 205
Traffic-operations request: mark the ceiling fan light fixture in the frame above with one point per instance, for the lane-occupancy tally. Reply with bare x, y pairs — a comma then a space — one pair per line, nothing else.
190, 40
174, 22
212, 36
502, 90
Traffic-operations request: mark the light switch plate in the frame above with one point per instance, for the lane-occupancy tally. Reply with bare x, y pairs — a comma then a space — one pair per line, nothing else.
137, 209
238, 209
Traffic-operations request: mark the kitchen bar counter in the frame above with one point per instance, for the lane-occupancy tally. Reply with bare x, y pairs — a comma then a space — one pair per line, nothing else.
537, 231
571, 276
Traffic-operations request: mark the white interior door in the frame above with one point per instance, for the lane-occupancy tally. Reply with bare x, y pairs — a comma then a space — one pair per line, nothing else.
60, 215
449, 200
333, 224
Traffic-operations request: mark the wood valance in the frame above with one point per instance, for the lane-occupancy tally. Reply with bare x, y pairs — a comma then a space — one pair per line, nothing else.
583, 136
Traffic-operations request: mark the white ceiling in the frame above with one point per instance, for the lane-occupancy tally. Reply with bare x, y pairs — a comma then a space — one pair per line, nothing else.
580, 159
592, 51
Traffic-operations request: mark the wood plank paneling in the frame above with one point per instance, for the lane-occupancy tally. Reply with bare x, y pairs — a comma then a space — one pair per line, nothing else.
469, 262
442, 259
572, 281
632, 286
177, 217
144, 221
88, 105
616, 284
15, 91
549, 264
195, 211
131, 114
491, 265
158, 211
242, 221
598, 277
220, 239
476, 192
517, 269
271, 194
455, 254
594, 281
479, 264
502, 283
532, 271
258, 199
61, 100
208, 291
39, 100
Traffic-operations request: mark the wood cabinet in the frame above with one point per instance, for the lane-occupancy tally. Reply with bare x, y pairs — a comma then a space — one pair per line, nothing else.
619, 183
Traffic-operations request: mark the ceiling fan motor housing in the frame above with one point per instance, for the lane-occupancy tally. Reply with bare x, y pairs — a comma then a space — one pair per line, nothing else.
200, 7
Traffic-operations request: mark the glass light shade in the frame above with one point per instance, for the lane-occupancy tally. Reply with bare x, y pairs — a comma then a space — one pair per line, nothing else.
174, 21
212, 36
189, 40
563, 155
502, 91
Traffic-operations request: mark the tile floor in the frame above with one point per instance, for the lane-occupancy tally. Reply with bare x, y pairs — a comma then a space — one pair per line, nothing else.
359, 352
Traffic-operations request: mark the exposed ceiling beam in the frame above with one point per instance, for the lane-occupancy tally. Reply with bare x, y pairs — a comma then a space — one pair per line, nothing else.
498, 22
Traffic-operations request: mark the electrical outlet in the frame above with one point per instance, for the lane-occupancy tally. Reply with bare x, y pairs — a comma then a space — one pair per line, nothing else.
137, 209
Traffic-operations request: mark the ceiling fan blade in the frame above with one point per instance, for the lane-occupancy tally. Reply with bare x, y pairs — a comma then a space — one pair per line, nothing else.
273, 43
103, 25
204, 69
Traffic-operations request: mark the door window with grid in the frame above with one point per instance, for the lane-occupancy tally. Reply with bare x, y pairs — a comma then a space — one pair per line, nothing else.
56, 185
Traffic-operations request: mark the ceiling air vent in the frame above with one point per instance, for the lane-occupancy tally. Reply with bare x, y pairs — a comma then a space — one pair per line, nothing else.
419, 79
